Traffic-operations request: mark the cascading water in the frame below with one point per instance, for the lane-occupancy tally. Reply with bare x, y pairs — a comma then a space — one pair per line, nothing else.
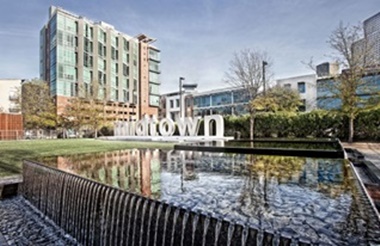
175, 218
96, 214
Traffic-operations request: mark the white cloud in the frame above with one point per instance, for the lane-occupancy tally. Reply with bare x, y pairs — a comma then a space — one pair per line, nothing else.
197, 38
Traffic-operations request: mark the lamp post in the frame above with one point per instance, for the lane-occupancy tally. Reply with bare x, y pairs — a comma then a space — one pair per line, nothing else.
264, 64
185, 87
180, 96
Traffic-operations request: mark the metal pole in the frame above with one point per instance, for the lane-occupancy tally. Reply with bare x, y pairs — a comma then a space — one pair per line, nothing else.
180, 96
264, 64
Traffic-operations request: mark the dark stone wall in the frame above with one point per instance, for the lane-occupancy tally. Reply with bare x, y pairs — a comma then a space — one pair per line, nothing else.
97, 214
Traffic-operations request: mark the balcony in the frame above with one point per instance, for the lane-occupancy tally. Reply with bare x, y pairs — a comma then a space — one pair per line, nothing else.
154, 82
14, 95
154, 70
14, 109
154, 58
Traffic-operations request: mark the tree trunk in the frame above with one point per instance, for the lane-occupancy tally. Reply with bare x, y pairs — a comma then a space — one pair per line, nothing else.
251, 126
351, 130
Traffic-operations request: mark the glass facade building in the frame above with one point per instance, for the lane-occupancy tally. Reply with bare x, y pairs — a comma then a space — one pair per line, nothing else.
78, 56
228, 101
326, 98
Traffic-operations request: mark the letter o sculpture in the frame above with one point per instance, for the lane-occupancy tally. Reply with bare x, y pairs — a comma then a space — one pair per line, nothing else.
162, 127
141, 128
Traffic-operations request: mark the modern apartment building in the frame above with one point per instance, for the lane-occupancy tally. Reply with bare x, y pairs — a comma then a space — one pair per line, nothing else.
372, 33
11, 126
80, 57
10, 91
306, 87
371, 40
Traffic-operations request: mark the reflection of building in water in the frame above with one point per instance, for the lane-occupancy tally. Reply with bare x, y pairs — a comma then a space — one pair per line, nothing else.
174, 160
140, 170
133, 170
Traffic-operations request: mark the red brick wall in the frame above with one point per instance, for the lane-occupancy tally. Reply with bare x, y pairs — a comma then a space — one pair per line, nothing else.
11, 126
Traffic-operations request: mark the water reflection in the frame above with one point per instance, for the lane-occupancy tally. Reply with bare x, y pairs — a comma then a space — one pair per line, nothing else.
133, 170
311, 197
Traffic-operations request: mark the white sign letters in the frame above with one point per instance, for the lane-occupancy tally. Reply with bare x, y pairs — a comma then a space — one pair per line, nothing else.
167, 127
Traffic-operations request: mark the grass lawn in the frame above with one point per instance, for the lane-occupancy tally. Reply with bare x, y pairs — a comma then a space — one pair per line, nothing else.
13, 152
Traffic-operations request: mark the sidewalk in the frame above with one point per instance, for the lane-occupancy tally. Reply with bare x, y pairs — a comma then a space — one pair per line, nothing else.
371, 151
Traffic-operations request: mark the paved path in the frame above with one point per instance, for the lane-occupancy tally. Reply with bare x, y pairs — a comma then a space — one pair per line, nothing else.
371, 151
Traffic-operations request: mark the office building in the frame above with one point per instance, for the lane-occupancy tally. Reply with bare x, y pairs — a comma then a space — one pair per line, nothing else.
370, 88
170, 105
306, 87
226, 101
81, 57
327, 69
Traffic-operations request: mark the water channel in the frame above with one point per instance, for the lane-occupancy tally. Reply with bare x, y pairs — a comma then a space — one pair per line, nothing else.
312, 198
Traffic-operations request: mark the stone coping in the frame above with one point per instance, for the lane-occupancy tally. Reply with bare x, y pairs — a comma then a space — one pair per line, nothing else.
10, 180
339, 153
167, 139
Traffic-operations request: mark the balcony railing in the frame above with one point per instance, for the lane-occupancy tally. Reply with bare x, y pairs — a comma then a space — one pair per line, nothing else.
13, 97
14, 110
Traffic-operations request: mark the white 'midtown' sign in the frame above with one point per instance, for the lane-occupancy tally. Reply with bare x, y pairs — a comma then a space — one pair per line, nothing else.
166, 127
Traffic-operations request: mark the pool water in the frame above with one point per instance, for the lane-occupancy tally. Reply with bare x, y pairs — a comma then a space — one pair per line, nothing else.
302, 197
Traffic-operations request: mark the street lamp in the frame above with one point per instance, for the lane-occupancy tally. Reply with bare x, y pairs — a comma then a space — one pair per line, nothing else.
180, 96
186, 87
264, 64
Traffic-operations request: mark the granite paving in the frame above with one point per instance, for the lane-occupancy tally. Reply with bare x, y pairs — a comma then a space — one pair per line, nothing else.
22, 224
371, 151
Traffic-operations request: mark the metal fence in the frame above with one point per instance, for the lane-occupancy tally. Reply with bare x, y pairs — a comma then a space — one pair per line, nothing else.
11, 135
30, 134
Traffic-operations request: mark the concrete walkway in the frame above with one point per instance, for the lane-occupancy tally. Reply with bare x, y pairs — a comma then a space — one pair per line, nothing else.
371, 151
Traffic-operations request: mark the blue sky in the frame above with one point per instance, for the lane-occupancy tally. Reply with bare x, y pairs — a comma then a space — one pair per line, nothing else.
197, 37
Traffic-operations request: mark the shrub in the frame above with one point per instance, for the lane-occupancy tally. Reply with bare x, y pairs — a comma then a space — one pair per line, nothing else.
314, 124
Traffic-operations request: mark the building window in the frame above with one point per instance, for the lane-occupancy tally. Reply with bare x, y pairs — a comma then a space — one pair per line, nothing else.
171, 104
301, 87
177, 102
287, 86
125, 70
302, 107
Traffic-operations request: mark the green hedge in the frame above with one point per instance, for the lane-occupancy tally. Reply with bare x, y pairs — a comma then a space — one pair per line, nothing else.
314, 124
367, 126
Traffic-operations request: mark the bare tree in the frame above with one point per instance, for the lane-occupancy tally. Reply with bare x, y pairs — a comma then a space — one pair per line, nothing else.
355, 55
246, 71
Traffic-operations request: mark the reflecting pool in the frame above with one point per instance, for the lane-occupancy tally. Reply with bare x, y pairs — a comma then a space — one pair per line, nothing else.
311, 198
284, 145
